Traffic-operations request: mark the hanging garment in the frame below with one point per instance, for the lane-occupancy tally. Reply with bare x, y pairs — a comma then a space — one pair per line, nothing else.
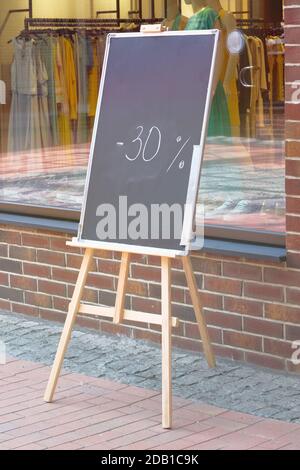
219, 122
46, 46
259, 83
42, 92
93, 79
62, 99
24, 127
81, 55
231, 87
244, 92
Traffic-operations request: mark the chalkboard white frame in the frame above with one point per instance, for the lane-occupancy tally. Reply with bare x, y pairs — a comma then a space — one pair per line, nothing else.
187, 230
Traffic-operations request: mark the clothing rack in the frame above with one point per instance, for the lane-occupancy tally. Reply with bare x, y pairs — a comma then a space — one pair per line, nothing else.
30, 23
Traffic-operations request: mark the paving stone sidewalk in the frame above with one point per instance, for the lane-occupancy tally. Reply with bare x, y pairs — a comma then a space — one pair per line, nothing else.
231, 385
94, 413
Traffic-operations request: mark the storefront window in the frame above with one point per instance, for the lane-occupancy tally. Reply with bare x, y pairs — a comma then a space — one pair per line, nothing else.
49, 78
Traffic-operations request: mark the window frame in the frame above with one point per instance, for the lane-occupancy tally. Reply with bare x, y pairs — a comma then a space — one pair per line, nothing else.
210, 231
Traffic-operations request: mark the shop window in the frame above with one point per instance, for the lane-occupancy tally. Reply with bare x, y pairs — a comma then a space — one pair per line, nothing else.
49, 79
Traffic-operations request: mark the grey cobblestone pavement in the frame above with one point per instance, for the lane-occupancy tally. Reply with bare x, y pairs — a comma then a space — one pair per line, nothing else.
231, 385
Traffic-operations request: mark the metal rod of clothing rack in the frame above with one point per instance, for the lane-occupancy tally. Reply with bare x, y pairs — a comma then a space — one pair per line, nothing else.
80, 22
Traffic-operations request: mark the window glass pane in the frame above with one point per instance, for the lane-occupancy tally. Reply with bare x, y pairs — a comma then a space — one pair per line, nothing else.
50, 75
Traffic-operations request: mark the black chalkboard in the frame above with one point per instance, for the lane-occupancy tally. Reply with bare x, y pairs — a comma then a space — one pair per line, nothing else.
148, 139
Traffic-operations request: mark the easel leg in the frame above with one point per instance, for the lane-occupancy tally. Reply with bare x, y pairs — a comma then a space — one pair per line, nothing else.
192, 284
121, 291
70, 320
166, 343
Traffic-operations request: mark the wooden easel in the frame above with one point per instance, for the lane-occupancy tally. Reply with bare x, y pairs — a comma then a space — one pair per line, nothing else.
119, 314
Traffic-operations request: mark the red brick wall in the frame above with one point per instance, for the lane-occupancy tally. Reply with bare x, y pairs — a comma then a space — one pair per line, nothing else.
252, 309
292, 36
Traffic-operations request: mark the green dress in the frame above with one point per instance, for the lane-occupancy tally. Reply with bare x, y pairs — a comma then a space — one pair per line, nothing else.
219, 122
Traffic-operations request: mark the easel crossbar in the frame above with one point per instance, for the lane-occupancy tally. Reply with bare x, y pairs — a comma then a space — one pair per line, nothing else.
129, 315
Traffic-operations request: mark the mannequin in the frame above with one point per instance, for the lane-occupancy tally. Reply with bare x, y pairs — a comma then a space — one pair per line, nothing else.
228, 72
206, 18
174, 21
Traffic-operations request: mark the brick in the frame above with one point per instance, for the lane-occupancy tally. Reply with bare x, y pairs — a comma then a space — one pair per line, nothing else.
293, 242
292, 149
292, 167
100, 281
293, 260
113, 329
192, 332
108, 267
209, 300
146, 305
104, 254
263, 360
22, 253
25, 309
179, 279
3, 279
293, 205
52, 288
11, 237
263, 327
59, 244
3, 250
292, 35
37, 270
51, 257
52, 315
37, 241
292, 16
183, 312
292, 187
206, 266
243, 306
40, 300
137, 288
282, 313
10, 266
4, 305
226, 286
177, 294
88, 322
293, 223
22, 282
230, 353
146, 273
292, 332
89, 295
225, 320
146, 335
292, 111
242, 271
242, 340
263, 291
64, 275
292, 130
278, 348
60, 303
74, 261
107, 298
293, 296
11, 294
282, 276
186, 343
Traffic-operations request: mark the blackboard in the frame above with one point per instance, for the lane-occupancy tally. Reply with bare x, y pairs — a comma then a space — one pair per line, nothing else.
148, 140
